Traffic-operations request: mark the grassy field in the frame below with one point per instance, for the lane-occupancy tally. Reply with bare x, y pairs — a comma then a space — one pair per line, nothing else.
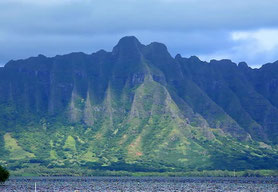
43, 171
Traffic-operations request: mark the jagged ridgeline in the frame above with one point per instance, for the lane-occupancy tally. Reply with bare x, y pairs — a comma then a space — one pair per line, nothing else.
138, 109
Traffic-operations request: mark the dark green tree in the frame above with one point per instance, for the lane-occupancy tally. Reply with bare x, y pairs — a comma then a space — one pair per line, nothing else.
4, 174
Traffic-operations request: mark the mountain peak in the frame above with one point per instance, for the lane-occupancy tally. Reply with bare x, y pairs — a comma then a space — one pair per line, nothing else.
157, 50
194, 58
146, 111
178, 56
128, 40
243, 65
126, 45
158, 46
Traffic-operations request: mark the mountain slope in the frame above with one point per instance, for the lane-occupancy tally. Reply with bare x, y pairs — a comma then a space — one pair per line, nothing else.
137, 108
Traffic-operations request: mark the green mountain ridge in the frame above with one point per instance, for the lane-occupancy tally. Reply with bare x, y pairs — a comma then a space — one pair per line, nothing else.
138, 109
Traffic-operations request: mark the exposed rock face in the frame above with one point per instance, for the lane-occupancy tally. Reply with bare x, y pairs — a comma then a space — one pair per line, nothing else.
138, 103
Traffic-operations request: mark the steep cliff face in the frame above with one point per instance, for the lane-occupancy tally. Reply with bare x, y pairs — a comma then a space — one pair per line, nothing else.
138, 105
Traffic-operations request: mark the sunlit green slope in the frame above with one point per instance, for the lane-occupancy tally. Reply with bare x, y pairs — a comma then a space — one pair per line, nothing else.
137, 109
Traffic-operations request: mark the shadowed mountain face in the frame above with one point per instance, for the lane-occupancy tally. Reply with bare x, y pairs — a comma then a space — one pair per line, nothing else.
138, 106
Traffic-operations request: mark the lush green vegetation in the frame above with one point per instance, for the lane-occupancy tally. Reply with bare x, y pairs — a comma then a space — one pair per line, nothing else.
44, 171
4, 174
138, 110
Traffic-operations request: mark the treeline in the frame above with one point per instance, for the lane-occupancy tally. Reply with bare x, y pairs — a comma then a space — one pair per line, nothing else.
44, 171
226, 173
4, 174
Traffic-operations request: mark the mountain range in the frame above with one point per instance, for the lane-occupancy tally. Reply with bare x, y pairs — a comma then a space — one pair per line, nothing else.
137, 108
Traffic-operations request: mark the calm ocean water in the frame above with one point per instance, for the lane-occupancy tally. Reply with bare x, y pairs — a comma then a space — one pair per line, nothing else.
84, 184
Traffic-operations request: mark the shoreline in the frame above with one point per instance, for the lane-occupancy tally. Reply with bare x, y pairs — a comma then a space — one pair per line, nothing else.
60, 172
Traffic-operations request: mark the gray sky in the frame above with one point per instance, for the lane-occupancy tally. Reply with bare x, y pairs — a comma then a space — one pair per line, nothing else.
241, 30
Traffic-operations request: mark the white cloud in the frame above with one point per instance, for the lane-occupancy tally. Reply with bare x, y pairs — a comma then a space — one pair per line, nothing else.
98, 16
256, 47
189, 27
259, 40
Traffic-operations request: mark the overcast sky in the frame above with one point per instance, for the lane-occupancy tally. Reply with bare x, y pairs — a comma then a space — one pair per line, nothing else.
240, 30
